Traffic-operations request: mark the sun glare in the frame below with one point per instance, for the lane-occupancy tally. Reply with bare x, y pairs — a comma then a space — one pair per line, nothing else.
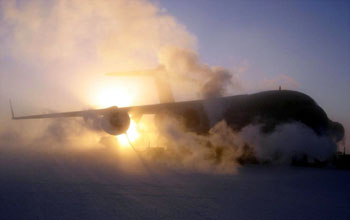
108, 95
111, 92
132, 133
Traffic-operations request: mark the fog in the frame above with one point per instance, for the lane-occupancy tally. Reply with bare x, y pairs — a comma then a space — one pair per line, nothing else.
65, 47
54, 56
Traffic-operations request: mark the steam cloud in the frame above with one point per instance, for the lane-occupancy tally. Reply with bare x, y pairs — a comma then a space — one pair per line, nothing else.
222, 150
184, 65
77, 39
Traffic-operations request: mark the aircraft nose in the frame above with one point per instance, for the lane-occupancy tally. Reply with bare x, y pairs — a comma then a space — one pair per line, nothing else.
337, 131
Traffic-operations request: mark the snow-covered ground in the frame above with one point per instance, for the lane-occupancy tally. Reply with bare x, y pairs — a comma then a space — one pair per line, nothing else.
86, 186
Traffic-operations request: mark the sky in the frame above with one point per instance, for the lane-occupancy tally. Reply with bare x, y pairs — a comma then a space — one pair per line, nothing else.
55, 53
308, 41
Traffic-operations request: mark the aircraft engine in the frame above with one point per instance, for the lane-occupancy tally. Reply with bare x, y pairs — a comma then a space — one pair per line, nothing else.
115, 122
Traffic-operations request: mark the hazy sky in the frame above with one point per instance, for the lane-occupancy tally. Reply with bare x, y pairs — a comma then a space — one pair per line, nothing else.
52, 52
306, 40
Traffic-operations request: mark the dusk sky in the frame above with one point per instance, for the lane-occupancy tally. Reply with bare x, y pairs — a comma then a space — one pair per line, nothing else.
301, 45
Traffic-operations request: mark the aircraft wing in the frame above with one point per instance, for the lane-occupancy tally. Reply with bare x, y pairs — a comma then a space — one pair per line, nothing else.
167, 107
144, 109
62, 114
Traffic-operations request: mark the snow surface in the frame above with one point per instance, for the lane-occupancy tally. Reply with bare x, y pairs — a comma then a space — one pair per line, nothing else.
83, 187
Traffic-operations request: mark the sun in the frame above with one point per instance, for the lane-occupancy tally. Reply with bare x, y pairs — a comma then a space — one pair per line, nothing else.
106, 95
112, 92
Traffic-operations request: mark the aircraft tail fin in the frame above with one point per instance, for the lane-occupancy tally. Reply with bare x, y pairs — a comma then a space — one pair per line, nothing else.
164, 91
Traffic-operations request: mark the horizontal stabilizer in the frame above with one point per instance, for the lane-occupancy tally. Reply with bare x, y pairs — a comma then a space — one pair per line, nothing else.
134, 73
163, 88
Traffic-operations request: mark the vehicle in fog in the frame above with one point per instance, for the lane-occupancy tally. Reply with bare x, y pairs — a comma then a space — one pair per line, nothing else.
268, 109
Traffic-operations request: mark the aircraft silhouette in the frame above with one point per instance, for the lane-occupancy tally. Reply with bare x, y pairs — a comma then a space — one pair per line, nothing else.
268, 109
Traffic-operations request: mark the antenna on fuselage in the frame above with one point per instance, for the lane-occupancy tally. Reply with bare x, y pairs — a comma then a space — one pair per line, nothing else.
164, 91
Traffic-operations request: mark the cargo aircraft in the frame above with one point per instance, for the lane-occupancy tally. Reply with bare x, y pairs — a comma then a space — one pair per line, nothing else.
268, 109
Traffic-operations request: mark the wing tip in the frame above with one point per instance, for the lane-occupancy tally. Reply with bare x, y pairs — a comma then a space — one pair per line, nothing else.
11, 108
